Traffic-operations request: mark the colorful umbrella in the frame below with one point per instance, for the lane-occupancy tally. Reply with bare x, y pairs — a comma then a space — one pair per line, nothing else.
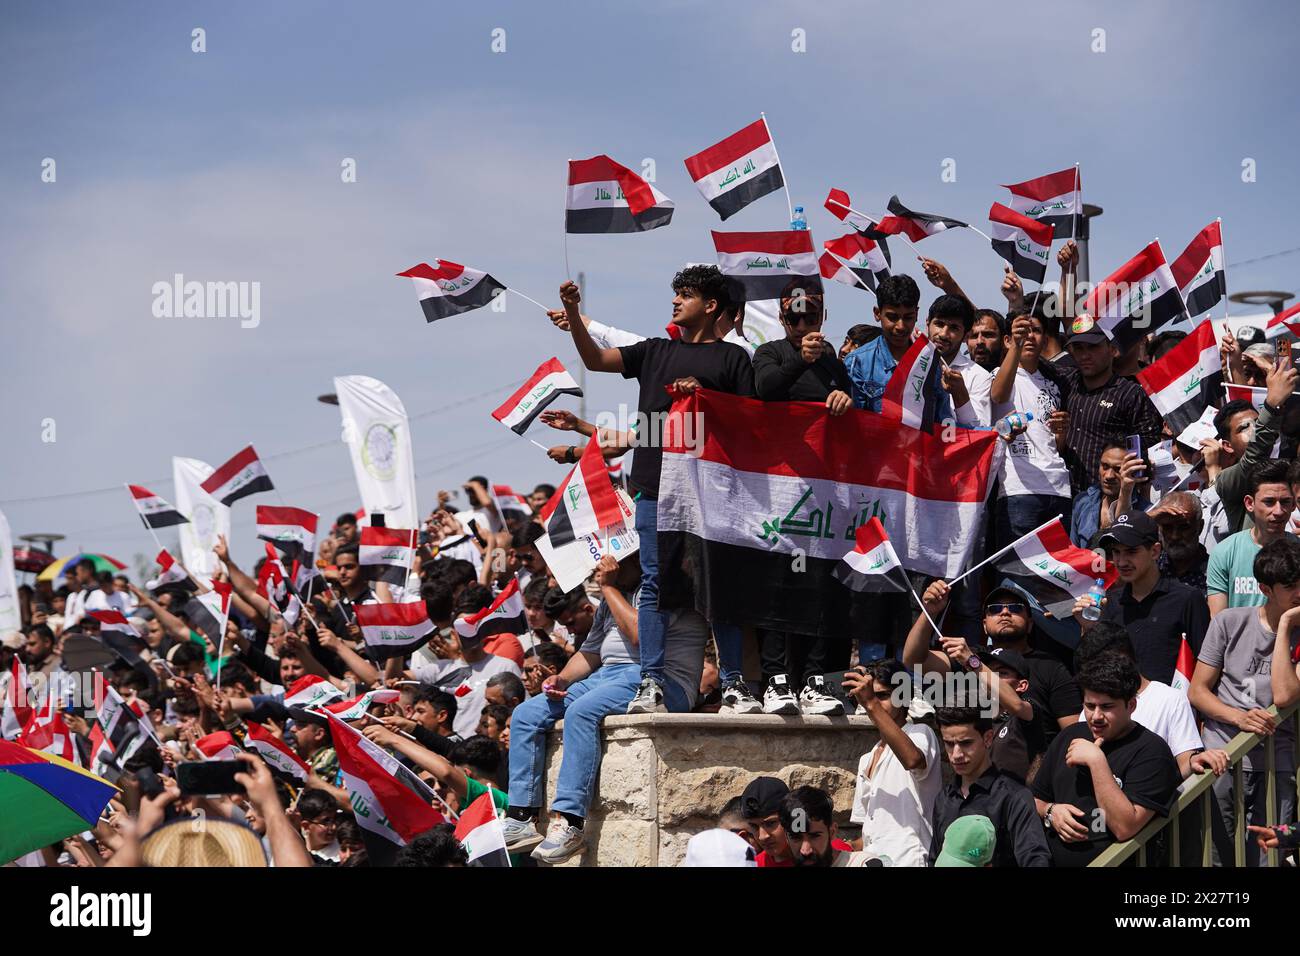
31, 559
65, 565
44, 798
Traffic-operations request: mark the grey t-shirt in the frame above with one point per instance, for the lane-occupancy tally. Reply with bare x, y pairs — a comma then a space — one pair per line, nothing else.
683, 645
1240, 645
606, 639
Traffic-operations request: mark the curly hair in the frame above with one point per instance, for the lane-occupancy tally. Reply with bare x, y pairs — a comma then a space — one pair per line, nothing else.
707, 281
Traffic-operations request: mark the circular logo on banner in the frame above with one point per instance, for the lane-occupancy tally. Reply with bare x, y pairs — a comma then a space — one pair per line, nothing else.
379, 451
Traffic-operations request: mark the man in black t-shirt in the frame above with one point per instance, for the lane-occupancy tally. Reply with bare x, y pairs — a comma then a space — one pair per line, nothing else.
1103, 779
697, 359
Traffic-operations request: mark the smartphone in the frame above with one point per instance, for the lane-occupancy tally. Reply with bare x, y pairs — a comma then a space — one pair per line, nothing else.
377, 520
150, 784
478, 535
1134, 445
1284, 349
209, 778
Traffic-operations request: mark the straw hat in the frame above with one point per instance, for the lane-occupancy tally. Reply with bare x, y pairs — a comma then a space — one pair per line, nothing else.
203, 841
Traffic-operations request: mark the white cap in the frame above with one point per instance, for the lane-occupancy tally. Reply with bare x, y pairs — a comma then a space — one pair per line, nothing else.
718, 848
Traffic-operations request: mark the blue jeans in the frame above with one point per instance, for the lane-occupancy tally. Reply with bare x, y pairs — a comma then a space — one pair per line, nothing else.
607, 691
652, 623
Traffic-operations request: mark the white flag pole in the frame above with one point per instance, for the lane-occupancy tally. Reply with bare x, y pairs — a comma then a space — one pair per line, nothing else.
785, 183
996, 555
530, 298
568, 273
846, 265
1224, 253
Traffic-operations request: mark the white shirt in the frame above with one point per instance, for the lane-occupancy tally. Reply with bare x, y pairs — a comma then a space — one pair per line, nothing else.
979, 383
1032, 464
116, 601
1168, 714
451, 675
894, 805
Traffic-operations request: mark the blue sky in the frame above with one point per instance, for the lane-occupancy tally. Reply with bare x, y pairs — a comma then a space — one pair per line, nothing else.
225, 166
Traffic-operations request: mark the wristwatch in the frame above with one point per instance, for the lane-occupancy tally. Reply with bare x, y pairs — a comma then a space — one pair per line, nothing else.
1047, 817
973, 663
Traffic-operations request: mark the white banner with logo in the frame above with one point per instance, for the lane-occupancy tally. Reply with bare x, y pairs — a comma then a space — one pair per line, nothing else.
11, 618
208, 516
378, 437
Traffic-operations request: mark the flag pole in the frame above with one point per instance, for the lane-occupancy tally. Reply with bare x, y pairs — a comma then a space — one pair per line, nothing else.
1219, 220
785, 183
901, 235
539, 444
148, 527
998, 554
921, 604
846, 265
1156, 240
989, 239
527, 298
568, 273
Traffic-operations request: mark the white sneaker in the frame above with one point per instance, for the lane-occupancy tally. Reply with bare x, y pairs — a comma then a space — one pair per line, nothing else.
562, 841
816, 701
649, 699
778, 698
736, 699
520, 834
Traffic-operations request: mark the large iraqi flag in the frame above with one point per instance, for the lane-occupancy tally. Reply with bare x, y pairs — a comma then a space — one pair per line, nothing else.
767, 265
771, 502
605, 196
586, 502
291, 530
1185, 380
733, 173
448, 288
155, 511
1137, 299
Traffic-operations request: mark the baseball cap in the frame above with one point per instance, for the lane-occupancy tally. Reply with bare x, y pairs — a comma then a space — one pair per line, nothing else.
718, 848
1248, 335
762, 797
1085, 329
969, 842
1008, 589
1009, 658
1131, 529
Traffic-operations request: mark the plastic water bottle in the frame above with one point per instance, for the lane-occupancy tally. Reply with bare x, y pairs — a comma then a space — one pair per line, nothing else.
800, 221
1098, 591
1012, 425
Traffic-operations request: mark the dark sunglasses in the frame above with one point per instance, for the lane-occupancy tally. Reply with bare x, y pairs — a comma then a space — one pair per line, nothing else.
1009, 608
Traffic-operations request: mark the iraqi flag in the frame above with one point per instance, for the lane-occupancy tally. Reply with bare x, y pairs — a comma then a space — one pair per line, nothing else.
510, 502
311, 691
1054, 200
1025, 243
505, 616
16, 709
388, 811
1137, 299
218, 746
1199, 271
447, 288
760, 503
1183, 667
912, 392
1047, 565
544, 386
915, 225
277, 754
1288, 320
169, 572
155, 511
386, 553
117, 634
605, 196
765, 265
240, 477
393, 630
855, 260
359, 706
838, 205
585, 502
1185, 380
208, 612
291, 530
480, 833
733, 173
47, 732
870, 566
123, 730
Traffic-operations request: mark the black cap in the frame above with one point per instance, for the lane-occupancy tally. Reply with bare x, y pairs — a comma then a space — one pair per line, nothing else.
1085, 329
1248, 335
1131, 529
1010, 589
762, 797
1008, 658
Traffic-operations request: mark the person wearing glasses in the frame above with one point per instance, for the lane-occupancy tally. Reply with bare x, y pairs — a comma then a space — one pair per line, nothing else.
1052, 701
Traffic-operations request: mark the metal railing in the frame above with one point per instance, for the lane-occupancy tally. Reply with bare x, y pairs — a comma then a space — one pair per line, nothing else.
1198, 790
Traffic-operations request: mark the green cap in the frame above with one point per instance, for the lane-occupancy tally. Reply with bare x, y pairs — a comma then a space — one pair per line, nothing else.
969, 842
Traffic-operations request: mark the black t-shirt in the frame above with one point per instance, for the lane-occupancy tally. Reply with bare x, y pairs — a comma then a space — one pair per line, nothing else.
1053, 693
781, 374
1142, 765
1158, 622
656, 364
1016, 745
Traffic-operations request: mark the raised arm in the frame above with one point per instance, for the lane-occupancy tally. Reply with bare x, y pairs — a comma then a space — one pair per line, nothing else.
592, 355
916, 649
245, 587
1005, 380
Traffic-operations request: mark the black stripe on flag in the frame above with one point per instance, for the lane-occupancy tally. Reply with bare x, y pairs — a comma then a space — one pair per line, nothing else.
1210, 391
1062, 225
164, 519
1024, 266
733, 200
616, 219
1164, 309
442, 306
756, 288
1207, 295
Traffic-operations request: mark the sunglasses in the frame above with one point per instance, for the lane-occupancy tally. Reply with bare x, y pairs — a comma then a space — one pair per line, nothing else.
807, 318
1009, 608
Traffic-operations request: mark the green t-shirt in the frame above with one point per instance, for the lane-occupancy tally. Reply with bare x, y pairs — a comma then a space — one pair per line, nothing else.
1231, 570
474, 790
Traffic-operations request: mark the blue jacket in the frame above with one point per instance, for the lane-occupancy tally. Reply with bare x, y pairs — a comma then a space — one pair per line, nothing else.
869, 369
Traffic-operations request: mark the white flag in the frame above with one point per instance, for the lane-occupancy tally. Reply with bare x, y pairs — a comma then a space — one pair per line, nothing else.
379, 438
11, 618
208, 516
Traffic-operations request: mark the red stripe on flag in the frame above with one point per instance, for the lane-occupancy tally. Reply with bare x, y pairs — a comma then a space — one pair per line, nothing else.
604, 500
392, 615
1179, 360
1039, 232
1197, 252
729, 150
1049, 186
601, 168
785, 241
870, 536
231, 468
551, 366
444, 270
387, 537
138, 491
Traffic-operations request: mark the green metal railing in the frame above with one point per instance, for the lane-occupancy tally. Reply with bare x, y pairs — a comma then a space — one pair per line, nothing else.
1197, 797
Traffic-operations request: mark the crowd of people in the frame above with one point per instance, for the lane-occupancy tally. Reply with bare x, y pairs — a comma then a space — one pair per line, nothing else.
1087, 740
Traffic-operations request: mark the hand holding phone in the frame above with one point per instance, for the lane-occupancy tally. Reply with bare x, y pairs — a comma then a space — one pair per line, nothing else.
209, 778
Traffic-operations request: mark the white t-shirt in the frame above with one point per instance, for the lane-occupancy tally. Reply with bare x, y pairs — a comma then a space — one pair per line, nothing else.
451, 675
979, 383
1032, 465
894, 805
1168, 714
